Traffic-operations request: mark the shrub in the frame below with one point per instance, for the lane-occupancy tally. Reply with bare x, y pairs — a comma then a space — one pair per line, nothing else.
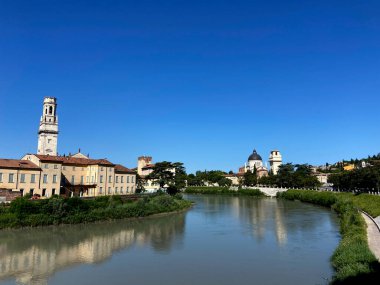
21, 207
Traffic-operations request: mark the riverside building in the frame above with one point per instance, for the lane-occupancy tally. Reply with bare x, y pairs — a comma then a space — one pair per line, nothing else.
47, 173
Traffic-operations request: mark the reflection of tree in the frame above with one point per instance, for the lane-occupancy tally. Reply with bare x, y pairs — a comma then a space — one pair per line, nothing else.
265, 215
34, 254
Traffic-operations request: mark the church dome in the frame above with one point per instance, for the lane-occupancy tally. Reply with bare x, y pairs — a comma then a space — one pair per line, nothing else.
254, 156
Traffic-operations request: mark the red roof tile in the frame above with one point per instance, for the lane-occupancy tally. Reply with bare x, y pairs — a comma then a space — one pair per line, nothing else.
122, 169
18, 164
73, 160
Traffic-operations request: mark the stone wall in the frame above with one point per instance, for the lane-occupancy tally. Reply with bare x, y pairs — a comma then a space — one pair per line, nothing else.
9, 195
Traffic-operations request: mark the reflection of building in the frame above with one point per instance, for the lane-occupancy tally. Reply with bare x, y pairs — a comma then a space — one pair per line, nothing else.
260, 214
46, 173
32, 256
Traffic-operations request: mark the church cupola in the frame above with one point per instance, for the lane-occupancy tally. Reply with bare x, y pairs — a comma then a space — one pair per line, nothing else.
48, 130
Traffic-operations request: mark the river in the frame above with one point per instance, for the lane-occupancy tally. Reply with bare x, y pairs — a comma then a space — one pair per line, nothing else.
221, 240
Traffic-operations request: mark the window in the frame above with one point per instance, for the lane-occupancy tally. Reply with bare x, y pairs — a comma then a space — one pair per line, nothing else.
10, 177
22, 178
54, 178
73, 168
121, 190
127, 179
31, 191
101, 179
55, 166
53, 191
115, 190
82, 180
46, 166
110, 169
122, 179
87, 179
101, 168
117, 179
1, 177
82, 168
133, 179
33, 178
43, 192
127, 189
109, 190
92, 179
45, 178
110, 178
72, 179
100, 190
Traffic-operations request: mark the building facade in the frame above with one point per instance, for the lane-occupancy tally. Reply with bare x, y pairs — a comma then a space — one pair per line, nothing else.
47, 173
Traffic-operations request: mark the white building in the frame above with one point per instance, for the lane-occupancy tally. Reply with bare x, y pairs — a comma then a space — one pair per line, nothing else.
275, 160
48, 130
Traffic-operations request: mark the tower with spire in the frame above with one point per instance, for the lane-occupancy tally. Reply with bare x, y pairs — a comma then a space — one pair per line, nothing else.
48, 130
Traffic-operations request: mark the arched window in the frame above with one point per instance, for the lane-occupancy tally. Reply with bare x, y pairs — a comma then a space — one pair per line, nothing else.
50, 110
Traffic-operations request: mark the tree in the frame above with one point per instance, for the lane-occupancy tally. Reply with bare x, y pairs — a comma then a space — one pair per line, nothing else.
169, 173
139, 184
250, 179
224, 182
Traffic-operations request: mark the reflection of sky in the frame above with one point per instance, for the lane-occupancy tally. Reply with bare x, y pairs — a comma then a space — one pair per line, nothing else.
224, 240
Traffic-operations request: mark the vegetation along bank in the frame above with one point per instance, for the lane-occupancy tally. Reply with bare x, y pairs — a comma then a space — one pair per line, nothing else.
353, 261
23, 212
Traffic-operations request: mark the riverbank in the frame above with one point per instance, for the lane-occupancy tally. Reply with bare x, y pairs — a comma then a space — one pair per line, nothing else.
223, 191
57, 210
353, 260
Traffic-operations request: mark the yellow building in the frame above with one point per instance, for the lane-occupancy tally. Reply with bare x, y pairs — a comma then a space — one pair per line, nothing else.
349, 167
19, 175
82, 176
47, 173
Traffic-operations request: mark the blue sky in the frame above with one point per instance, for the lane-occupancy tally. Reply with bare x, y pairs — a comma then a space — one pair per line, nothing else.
202, 82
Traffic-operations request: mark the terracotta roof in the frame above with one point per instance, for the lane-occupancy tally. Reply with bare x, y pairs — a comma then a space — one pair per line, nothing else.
122, 169
73, 160
18, 164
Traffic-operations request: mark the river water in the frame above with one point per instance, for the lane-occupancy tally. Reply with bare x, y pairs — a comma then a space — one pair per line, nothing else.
221, 240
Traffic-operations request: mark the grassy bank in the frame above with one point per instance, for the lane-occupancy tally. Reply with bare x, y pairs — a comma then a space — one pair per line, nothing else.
353, 261
224, 191
57, 210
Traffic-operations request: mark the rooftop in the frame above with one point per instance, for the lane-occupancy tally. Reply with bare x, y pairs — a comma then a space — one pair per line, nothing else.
18, 164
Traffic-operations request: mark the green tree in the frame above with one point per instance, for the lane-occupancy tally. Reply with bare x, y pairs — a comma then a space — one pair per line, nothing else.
224, 182
169, 173
140, 184
250, 179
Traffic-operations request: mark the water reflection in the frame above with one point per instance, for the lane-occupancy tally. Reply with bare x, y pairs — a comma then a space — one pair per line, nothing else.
263, 216
219, 241
32, 255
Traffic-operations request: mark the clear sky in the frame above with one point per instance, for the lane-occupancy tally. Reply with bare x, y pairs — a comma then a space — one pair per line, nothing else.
202, 82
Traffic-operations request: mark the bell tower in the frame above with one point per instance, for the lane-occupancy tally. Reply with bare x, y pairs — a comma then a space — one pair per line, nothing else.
48, 130
275, 160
